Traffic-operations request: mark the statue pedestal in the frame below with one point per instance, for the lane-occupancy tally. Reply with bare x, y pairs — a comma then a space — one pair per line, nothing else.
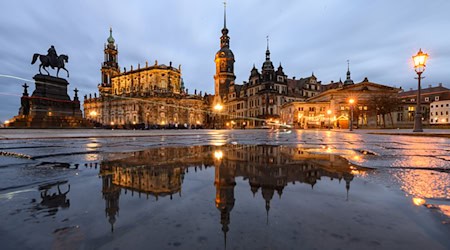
51, 87
49, 106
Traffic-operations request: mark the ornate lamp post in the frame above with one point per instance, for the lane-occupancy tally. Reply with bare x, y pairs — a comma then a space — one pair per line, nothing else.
351, 101
419, 66
329, 118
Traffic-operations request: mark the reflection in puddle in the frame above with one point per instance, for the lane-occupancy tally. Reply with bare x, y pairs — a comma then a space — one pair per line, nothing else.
268, 169
52, 198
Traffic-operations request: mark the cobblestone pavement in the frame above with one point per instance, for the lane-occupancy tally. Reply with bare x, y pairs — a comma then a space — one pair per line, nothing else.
410, 177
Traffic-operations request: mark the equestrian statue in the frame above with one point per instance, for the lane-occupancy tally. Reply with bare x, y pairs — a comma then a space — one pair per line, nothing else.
51, 59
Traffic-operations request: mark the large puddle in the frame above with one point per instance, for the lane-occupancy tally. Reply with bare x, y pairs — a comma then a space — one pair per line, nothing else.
215, 197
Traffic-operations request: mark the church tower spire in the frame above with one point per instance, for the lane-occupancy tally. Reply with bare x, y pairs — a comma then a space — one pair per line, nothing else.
267, 50
349, 79
110, 65
224, 77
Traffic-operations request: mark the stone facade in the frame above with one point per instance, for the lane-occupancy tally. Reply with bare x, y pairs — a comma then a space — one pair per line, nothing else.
149, 96
333, 109
408, 101
440, 113
255, 103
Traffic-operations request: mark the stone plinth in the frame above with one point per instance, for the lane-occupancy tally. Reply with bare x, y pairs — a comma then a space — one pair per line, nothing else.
49, 106
51, 87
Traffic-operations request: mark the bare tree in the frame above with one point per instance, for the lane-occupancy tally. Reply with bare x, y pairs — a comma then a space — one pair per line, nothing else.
384, 104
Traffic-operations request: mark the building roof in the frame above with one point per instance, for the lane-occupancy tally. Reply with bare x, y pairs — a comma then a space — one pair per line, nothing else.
365, 85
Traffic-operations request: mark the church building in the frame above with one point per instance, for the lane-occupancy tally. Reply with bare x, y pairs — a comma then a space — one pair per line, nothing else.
145, 96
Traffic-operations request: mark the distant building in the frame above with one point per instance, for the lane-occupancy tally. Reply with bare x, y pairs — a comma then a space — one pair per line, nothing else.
148, 96
255, 103
440, 113
407, 107
331, 108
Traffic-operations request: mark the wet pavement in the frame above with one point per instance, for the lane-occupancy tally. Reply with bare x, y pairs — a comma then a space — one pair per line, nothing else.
213, 189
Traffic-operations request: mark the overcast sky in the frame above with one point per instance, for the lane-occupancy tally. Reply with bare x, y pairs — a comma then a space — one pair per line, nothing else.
378, 37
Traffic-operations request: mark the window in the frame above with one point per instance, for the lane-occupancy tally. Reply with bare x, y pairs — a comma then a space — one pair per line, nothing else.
436, 98
300, 109
431, 106
427, 99
442, 105
413, 100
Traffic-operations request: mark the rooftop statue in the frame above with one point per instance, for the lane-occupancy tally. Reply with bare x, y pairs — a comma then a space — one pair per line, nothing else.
51, 59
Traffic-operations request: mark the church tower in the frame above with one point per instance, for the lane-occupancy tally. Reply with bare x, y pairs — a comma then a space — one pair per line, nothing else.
111, 194
224, 77
224, 180
110, 66
349, 80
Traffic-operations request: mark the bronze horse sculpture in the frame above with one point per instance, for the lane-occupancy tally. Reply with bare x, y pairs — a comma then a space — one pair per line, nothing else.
46, 62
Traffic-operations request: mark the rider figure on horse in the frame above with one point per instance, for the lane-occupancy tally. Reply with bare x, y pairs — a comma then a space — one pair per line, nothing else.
53, 56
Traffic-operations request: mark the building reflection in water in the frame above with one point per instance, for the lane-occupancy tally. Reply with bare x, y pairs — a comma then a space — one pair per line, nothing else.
160, 172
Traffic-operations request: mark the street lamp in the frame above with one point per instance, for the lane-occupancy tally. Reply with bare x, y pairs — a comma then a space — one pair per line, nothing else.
419, 66
218, 107
351, 101
329, 118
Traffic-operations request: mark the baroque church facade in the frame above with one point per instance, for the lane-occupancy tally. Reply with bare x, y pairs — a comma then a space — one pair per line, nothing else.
147, 96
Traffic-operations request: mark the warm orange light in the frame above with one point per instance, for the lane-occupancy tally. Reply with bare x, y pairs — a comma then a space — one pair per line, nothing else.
112, 123
351, 101
329, 112
218, 154
93, 113
6, 122
134, 123
420, 61
198, 122
218, 107
418, 201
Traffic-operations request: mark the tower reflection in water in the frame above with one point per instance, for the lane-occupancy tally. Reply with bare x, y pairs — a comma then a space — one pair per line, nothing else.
160, 173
